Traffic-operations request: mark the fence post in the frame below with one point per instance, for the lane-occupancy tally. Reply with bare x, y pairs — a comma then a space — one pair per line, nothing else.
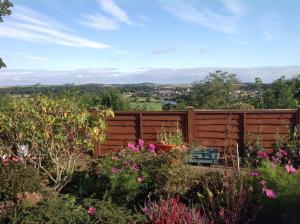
190, 125
298, 117
141, 126
243, 131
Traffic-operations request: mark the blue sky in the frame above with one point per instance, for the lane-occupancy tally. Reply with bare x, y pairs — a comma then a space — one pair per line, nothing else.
85, 40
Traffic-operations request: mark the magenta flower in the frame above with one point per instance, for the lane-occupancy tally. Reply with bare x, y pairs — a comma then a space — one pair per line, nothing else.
115, 170
133, 147
263, 155
136, 168
152, 148
141, 143
15, 159
5, 161
91, 210
284, 152
269, 193
254, 174
290, 169
141, 179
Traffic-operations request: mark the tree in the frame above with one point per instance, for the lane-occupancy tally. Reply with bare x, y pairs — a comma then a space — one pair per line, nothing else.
55, 133
4, 11
219, 90
281, 94
259, 94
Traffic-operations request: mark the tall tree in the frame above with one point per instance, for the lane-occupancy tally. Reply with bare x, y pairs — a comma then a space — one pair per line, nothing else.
219, 90
259, 94
4, 11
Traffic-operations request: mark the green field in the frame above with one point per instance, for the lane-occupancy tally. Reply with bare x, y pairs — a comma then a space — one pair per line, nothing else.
140, 102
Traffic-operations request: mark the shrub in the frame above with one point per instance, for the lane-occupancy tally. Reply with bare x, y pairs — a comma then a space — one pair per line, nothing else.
55, 131
285, 207
226, 198
53, 210
109, 213
172, 211
17, 177
137, 171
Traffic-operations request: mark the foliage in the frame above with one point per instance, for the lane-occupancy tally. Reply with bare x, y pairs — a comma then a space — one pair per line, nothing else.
172, 211
171, 138
217, 91
285, 208
55, 131
226, 198
137, 171
5, 6
109, 213
16, 177
293, 145
54, 210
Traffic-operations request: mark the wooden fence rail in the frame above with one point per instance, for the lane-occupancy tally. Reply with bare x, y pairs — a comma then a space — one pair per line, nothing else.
221, 129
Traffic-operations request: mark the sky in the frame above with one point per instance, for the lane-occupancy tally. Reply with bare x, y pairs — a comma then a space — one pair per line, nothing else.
115, 41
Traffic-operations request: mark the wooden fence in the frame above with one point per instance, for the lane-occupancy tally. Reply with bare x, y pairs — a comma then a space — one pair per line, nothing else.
221, 129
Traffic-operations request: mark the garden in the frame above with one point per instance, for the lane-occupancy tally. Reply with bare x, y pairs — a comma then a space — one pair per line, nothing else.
47, 174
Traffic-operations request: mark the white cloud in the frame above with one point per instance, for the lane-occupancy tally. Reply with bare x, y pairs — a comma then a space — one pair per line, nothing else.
200, 14
270, 25
99, 21
163, 50
267, 35
110, 7
29, 25
37, 58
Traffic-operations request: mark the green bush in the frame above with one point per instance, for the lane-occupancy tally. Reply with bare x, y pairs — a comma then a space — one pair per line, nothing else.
17, 178
136, 172
109, 213
286, 207
53, 210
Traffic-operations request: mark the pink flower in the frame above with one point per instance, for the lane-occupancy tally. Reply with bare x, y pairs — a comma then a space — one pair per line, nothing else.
133, 147
136, 168
263, 183
115, 158
141, 143
141, 179
269, 192
115, 170
15, 159
290, 169
91, 210
283, 152
5, 161
254, 174
152, 148
263, 155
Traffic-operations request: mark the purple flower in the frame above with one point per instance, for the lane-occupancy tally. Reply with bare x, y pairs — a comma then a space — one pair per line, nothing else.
254, 174
141, 143
269, 193
5, 161
115, 170
152, 148
91, 210
136, 168
263, 155
263, 183
140, 179
15, 159
290, 169
284, 152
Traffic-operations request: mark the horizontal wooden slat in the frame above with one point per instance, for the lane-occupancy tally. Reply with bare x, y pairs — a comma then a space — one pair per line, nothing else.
216, 128
121, 130
121, 123
267, 129
216, 121
153, 130
216, 135
160, 123
271, 116
162, 118
215, 116
123, 118
127, 137
268, 121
